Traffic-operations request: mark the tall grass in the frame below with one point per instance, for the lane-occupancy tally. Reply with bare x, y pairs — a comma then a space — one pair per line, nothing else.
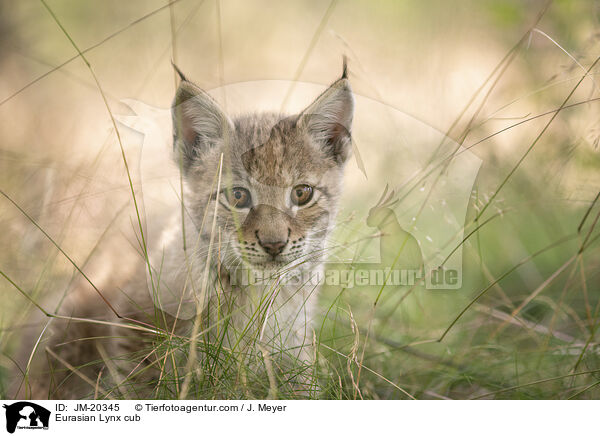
522, 326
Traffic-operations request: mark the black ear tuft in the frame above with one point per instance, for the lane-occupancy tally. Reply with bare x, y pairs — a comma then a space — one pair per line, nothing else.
345, 68
179, 73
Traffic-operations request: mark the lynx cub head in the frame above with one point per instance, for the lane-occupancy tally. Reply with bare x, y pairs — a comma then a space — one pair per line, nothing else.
281, 175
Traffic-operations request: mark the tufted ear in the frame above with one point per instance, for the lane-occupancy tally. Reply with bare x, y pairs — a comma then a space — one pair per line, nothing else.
328, 120
198, 123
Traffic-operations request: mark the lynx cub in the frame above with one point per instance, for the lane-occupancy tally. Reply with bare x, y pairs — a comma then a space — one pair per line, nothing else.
261, 195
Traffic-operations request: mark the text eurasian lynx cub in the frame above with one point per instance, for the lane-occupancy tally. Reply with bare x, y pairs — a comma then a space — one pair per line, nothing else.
261, 195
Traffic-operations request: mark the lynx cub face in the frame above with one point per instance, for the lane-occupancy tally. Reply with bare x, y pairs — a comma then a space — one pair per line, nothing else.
280, 182
281, 176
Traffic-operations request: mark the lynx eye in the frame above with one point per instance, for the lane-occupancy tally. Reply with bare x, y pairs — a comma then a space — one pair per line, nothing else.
301, 194
239, 198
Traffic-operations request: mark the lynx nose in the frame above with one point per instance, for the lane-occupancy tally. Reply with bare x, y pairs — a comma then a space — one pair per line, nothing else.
273, 248
271, 228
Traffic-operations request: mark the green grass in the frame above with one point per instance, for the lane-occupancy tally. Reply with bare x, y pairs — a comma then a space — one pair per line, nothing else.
524, 323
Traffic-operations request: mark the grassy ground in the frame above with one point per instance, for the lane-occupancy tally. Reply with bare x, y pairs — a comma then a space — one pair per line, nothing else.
513, 82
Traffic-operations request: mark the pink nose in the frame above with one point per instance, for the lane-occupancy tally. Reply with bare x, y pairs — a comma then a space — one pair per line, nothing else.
273, 248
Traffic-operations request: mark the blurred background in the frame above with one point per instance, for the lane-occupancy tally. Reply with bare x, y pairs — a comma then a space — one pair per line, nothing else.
486, 75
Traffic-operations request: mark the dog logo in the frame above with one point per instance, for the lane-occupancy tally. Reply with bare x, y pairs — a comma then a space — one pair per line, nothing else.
26, 415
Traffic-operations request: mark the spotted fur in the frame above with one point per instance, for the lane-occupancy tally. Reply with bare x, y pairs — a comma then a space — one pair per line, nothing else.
267, 155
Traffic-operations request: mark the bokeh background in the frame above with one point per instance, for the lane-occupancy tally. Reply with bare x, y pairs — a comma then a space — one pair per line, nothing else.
489, 75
